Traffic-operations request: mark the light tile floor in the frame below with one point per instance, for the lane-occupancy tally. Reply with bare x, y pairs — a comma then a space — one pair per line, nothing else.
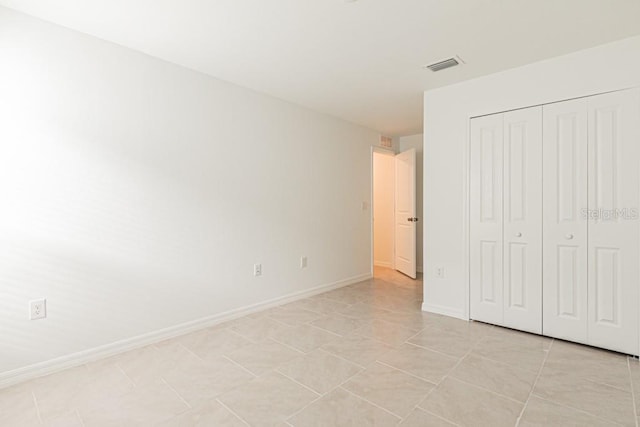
362, 355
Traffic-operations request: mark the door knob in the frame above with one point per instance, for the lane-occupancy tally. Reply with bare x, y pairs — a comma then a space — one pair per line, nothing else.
518, 234
569, 236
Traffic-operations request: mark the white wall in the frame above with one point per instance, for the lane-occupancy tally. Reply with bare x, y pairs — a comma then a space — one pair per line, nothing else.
446, 118
383, 209
416, 142
137, 195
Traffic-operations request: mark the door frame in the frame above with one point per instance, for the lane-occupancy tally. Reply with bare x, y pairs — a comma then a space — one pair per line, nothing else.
387, 152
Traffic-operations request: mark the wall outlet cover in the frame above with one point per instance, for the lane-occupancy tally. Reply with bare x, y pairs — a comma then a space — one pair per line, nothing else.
37, 309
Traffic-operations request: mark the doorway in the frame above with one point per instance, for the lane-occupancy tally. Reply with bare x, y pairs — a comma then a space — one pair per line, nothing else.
394, 220
383, 210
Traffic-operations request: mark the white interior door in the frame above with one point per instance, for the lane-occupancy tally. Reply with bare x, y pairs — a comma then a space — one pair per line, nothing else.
523, 219
564, 228
486, 212
614, 245
405, 213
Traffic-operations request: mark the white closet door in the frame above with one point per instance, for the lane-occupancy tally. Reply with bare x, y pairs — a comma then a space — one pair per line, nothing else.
614, 245
486, 292
523, 219
564, 227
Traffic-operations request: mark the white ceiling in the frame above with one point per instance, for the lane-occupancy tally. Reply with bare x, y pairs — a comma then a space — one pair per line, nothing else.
360, 61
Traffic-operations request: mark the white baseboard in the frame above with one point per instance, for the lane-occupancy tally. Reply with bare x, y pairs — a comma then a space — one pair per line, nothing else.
445, 311
383, 264
26, 373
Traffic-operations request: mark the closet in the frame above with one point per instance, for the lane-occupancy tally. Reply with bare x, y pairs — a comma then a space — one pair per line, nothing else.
554, 232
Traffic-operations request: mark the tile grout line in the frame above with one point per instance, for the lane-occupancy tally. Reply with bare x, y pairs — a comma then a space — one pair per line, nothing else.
35, 403
370, 402
217, 399
633, 391
535, 382
495, 393
447, 375
331, 390
436, 351
133, 383
297, 382
177, 394
582, 411
224, 356
407, 373
286, 345
80, 418
357, 365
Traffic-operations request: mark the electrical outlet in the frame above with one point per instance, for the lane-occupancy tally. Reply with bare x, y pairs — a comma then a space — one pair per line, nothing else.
37, 309
257, 270
440, 272
303, 262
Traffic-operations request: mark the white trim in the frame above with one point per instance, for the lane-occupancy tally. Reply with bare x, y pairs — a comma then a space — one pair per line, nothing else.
419, 269
75, 359
466, 215
445, 311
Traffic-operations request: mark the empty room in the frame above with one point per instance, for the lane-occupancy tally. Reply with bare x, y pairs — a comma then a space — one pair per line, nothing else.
319, 213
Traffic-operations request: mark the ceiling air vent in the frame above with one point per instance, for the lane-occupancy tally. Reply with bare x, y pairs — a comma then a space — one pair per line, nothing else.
386, 142
447, 63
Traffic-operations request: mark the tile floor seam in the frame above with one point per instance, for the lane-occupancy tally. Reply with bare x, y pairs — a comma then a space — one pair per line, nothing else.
329, 391
438, 416
320, 396
535, 382
438, 385
371, 403
406, 372
346, 360
436, 351
633, 391
188, 350
297, 382
217, 399
242, 367
356, 364
417, 407
133, 383
35, 403
503, 363
629, 390
177, 394
288, 346
80, 418
231, 331
512, 365
582, 411
323, 330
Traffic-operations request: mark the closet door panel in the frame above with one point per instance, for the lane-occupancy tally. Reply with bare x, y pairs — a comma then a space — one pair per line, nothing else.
564, 225
523, 219
614, 233
486, 180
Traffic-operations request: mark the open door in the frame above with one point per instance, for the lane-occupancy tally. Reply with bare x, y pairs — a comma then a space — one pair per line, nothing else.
405, 213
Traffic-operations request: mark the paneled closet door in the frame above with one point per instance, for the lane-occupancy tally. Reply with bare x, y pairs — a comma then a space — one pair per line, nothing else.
486, 287
564, 226
614, 233
523, 219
